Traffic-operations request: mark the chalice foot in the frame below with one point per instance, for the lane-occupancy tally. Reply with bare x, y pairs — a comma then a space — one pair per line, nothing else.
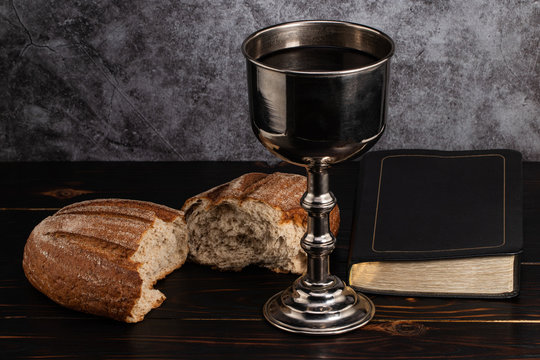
333, 308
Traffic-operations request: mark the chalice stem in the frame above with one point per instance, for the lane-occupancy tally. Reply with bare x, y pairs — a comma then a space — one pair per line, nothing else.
318, 242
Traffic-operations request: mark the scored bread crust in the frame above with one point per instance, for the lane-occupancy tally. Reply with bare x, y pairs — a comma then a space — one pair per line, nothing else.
279, 191
81, 257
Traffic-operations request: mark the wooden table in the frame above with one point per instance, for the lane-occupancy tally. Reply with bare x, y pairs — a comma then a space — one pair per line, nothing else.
210, 314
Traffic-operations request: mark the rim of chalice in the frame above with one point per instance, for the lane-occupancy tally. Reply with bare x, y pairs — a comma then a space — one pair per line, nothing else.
330, 33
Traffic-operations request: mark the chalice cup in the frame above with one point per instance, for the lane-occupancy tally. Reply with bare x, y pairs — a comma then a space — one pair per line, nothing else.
317, 96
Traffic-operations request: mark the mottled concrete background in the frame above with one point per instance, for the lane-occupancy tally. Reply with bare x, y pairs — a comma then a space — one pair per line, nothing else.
164, 80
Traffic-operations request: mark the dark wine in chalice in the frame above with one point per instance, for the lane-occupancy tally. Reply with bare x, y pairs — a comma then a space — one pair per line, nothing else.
318, 58
317, 95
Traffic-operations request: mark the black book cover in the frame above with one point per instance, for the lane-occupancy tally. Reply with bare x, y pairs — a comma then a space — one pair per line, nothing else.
425, 204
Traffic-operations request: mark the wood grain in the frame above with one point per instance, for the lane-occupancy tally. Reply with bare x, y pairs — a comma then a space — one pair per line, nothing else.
184, 339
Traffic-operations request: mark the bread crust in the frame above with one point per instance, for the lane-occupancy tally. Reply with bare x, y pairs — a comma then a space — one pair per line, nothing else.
279, 190
80, 256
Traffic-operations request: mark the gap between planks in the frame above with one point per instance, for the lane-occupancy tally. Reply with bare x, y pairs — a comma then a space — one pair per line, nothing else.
465, 321
523, 321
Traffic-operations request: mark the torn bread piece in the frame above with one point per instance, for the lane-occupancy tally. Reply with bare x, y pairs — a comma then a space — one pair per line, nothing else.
104, 256
254, 219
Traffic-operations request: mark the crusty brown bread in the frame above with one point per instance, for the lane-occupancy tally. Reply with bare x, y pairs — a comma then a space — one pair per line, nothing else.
104, 256
254, 219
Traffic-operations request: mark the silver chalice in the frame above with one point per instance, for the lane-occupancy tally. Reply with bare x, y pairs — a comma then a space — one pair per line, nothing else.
317, 96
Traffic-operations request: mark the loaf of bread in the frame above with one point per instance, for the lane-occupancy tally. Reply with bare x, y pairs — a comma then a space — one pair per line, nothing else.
254, 219
104, 256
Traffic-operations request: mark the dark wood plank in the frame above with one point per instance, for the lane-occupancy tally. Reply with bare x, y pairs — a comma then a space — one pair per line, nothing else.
49, 185
58, 184
168, 339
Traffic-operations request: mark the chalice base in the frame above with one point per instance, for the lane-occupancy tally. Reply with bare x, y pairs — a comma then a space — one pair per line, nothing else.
318, 309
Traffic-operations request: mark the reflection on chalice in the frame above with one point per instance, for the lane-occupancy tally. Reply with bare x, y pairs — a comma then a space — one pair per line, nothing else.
317, 96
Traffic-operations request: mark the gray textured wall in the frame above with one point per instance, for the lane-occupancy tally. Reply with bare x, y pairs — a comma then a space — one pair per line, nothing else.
164, 80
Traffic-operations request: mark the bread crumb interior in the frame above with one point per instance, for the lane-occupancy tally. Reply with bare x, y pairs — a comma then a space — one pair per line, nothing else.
233, 235
162, 250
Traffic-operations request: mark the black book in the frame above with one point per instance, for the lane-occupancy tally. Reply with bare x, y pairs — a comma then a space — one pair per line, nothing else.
438, 223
